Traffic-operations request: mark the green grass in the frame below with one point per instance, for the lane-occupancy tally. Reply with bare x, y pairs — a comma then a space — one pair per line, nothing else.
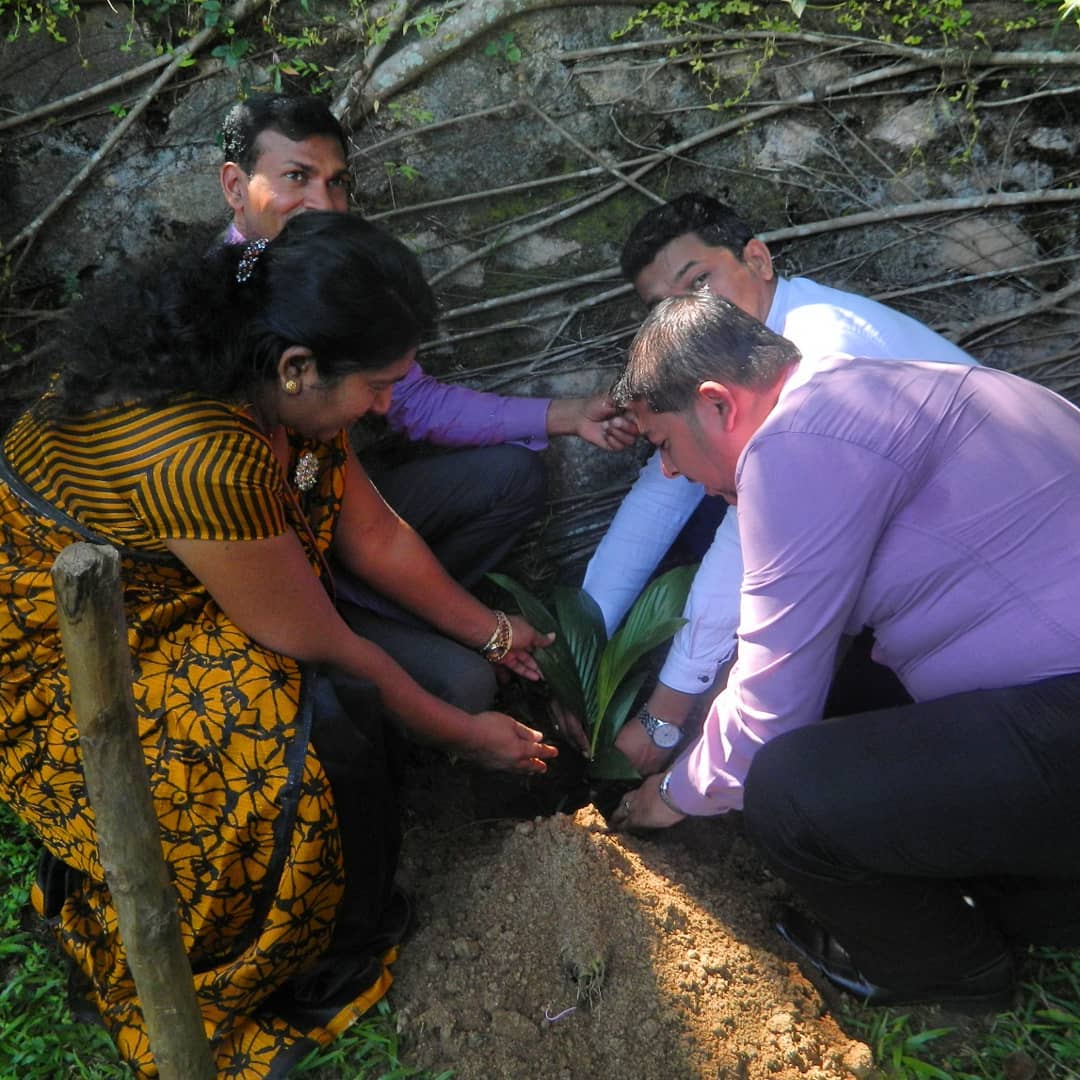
1038, 1039
370, 1048
39, 1039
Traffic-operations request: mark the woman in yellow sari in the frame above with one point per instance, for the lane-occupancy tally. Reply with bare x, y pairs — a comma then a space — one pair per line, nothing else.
199, 424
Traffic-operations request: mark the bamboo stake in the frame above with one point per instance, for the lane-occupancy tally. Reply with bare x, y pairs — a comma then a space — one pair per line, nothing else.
92, 628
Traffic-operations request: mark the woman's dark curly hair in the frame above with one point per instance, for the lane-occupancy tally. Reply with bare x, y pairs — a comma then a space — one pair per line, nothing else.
333, 283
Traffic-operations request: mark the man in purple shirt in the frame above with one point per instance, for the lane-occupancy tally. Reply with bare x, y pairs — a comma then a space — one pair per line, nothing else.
286, 154
939, 506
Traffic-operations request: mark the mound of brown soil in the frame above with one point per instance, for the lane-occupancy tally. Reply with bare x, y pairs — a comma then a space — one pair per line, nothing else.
551, 949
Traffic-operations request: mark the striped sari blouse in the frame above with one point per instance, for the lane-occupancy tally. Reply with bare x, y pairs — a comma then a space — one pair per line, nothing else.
191, 470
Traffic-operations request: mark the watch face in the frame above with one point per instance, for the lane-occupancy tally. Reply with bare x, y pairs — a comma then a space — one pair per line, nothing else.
666, 736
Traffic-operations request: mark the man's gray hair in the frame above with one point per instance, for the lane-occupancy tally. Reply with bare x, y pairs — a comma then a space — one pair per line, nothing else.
688, 340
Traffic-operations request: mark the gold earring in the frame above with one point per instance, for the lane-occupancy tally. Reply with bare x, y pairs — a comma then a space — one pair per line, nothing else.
291, 386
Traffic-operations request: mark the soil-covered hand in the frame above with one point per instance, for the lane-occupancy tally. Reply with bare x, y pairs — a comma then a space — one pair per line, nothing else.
644, 809
520, 659
597, 420
640, 750
605, 425
569, 727
498, 741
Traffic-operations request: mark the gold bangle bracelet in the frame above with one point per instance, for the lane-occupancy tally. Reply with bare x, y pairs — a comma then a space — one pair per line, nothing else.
501, 640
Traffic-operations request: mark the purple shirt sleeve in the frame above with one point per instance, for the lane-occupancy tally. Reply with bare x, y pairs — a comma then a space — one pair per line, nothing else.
422, 407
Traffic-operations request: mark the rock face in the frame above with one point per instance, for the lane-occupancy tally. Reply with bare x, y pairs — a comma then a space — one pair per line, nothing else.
518, 164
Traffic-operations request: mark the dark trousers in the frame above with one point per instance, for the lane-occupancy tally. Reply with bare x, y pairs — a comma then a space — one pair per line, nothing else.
697, 534
445, 668
362, 756
929, 837
471, 507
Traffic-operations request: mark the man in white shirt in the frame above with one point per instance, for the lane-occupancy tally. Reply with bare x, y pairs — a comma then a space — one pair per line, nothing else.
696, 242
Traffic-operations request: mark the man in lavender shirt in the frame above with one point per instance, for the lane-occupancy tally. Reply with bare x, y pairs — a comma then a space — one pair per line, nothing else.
286, 154
939, 506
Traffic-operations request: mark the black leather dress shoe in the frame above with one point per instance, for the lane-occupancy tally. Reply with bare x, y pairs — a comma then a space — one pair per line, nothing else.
989, 987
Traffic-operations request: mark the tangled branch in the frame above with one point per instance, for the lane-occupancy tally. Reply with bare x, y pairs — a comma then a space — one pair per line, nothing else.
238, 13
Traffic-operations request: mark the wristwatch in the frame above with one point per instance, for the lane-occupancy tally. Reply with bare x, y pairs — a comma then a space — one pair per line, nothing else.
664, 735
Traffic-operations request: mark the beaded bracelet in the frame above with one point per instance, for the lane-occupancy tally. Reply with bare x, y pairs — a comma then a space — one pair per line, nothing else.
501, 640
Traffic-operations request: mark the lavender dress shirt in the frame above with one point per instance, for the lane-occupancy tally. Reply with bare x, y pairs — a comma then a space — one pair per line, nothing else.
938, 505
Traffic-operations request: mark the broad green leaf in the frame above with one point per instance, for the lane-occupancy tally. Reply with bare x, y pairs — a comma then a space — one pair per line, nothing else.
533, 610
664, 598
616, 663
660, 605
612, 764
581, 623
615, 715
589, 676
556, 662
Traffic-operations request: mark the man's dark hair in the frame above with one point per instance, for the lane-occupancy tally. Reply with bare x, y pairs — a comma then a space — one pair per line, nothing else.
687, 340
710, 220
296, 116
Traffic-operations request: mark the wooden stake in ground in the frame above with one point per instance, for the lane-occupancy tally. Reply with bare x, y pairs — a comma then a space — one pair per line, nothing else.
93, 631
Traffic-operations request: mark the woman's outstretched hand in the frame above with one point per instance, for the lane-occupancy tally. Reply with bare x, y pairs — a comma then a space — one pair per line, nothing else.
499, 741
520, 659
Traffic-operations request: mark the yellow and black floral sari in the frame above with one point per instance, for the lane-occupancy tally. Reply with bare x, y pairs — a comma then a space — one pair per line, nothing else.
248, 823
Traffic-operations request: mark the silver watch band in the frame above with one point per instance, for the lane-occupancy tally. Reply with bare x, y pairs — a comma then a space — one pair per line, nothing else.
663, 734
649, 721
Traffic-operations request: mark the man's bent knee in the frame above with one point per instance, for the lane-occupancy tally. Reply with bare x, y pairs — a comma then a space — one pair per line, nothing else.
775, 807
522, 477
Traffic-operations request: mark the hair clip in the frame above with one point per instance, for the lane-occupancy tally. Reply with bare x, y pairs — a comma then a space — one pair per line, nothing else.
250, 257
